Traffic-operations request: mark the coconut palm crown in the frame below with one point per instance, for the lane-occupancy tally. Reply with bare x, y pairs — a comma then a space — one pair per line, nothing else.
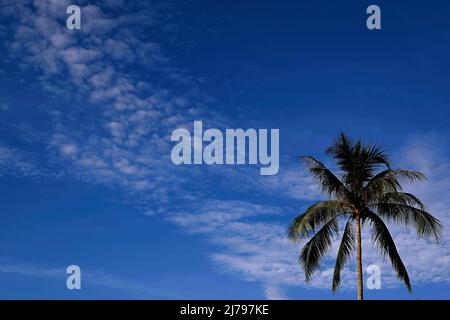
367, 191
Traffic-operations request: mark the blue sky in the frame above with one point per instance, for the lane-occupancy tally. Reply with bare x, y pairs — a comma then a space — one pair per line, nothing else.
85, 123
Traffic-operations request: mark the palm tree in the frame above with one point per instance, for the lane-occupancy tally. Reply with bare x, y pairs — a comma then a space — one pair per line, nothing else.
367, 191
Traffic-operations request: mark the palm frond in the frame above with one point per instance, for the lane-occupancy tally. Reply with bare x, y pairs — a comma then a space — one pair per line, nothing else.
317, 247
341, 147
426, 225
388, 181
313, 218
374, 156
346, 248
386, 245
401, 198
329, 183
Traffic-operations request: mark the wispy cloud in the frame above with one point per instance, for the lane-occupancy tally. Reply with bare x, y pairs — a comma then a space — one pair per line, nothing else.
88, 278
114, 128
13, 161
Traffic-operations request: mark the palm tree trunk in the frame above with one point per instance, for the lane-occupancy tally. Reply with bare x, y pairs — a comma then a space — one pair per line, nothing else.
359, 257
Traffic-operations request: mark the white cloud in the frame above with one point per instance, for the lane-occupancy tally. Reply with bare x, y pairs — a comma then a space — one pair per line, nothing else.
273, 293
69, 149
